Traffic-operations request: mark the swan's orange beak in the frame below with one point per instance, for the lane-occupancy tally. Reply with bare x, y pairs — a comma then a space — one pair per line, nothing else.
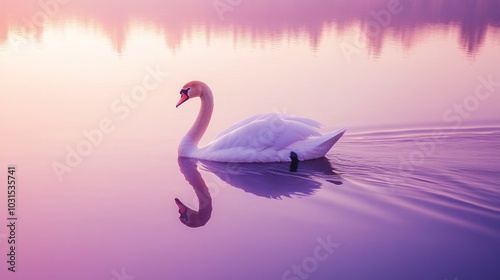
184, 98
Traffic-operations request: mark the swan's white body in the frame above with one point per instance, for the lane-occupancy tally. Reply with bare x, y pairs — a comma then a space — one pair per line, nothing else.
267, 137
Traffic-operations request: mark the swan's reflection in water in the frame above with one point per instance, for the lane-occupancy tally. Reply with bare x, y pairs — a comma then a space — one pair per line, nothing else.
270, 180
190, 217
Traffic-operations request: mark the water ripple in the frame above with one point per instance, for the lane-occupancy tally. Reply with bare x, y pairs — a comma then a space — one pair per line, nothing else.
453, 178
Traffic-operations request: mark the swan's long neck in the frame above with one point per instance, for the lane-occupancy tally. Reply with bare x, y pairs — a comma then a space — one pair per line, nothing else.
189, 143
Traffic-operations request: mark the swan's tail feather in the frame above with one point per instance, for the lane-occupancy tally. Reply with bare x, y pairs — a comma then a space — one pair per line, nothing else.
332, 138
317, 147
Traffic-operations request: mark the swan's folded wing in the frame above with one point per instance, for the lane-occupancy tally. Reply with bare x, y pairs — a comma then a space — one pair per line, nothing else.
239, 125
264, 131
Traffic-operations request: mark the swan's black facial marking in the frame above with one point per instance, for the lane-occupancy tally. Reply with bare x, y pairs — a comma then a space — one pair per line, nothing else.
185, 91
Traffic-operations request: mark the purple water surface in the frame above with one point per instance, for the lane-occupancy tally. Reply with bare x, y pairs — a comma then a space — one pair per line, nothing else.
409, 192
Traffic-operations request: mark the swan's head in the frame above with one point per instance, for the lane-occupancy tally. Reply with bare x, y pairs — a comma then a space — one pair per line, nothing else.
183, 210
190, 90
192, 218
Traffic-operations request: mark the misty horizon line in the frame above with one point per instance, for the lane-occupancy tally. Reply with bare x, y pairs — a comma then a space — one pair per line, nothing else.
400, 20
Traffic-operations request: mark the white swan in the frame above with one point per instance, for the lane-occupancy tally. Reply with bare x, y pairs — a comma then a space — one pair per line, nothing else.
267, 137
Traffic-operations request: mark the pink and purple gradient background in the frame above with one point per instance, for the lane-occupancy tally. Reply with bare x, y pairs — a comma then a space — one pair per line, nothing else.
116, 208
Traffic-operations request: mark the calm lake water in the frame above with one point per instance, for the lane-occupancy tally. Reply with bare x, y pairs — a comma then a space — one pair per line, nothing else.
87, 116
